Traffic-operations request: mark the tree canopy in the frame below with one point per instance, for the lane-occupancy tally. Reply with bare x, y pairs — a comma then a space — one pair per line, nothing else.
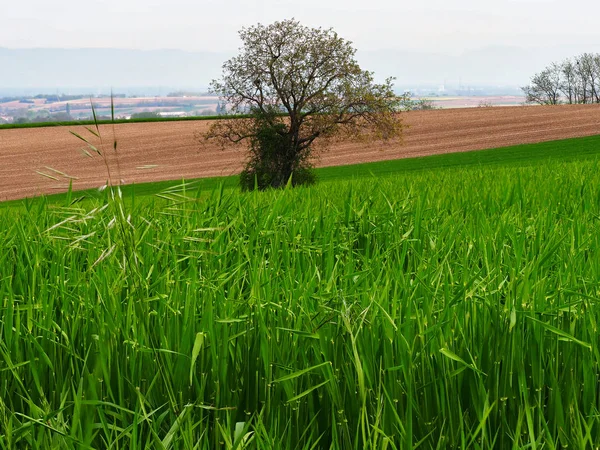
299, 85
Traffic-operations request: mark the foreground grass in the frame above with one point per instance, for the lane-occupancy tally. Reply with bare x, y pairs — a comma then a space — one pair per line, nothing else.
432, 309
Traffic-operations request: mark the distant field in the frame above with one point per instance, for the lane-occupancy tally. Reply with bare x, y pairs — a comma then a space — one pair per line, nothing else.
477, 101
168, 150
194, 105
122, 106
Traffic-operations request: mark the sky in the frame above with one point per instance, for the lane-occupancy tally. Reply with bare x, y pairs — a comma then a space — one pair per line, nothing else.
446, 26
421, 42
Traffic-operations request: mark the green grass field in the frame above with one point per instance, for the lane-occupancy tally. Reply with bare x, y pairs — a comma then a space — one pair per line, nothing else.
445, 302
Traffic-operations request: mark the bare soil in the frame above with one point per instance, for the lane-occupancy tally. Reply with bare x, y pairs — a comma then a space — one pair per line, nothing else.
168, 150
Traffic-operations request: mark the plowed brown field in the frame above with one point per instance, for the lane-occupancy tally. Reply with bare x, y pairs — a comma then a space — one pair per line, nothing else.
168, 150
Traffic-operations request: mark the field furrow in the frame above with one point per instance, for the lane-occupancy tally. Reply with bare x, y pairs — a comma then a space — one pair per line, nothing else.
168, 150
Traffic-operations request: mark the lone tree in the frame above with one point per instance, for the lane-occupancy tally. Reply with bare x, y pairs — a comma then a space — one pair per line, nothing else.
297, 86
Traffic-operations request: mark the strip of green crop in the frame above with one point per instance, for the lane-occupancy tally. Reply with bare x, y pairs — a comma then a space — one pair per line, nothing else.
429, 308
8, 126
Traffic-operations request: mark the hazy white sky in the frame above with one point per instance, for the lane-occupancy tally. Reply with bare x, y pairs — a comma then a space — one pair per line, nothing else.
425, 25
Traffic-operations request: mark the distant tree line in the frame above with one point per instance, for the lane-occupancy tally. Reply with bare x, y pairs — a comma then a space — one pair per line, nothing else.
59, 97
146, 115
9, 99
572, 81
408, 103
45, 117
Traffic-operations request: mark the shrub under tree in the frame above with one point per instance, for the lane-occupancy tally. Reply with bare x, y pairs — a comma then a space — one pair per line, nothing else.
270, 163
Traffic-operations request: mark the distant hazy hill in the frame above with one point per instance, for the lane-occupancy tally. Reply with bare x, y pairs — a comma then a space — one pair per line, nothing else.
498, 65
491, 66
106, 68
26, 70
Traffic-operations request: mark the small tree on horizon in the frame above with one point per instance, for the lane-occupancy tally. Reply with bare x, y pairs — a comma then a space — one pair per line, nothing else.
299, 86
572, 81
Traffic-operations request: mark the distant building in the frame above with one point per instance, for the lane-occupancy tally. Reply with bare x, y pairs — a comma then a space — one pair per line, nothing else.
173, 114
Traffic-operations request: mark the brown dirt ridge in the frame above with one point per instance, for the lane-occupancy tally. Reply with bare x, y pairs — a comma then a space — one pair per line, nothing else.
168, 150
